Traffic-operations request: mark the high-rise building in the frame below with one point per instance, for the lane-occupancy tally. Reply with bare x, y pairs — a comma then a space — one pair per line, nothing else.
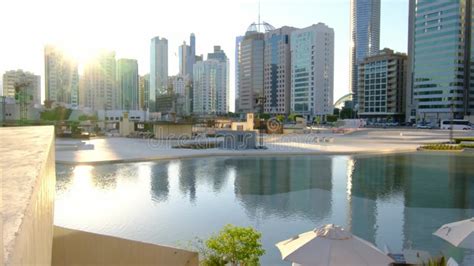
61, 78
382, 81
365, 35
144, 90
128, 84
99, 87
441, 41
250, 92
312, 71
211, 84
238, 40
192, 55
158, 70
183, 54
410, 107
218, 54
187, 57
178, 83
27, 81
277, 74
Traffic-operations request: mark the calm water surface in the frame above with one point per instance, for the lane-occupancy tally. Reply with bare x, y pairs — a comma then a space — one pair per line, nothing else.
390, 200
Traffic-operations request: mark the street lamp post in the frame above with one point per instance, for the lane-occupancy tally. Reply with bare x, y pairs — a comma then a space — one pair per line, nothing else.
451, 133
261, 102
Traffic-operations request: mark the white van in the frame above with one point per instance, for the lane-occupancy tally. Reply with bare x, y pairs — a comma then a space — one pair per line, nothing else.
456, 124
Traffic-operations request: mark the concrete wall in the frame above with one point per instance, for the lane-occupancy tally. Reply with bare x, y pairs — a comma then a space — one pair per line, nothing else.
172, 131
28, 187
73, 247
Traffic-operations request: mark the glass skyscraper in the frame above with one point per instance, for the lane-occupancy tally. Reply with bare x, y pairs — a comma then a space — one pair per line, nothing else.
99, 85
238, 40
187, 57
365, 35
128, 83
158, 70
251, 72
442, 59
61, 78
277, 76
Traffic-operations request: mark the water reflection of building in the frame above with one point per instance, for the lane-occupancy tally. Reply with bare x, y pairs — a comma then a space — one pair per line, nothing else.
284, 186
439, 191
105, 176
187, 179
372, 178
159, 182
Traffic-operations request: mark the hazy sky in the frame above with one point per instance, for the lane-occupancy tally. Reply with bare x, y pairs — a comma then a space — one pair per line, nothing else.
83, 26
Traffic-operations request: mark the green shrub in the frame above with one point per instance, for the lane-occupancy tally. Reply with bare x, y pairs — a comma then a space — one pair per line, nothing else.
436, 262
442, 147
459, 140
468, 146
234, 245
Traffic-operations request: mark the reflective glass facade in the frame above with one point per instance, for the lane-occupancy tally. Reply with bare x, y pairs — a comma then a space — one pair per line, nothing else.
442, 56
365, 34
158, 70
127, 81
277, 71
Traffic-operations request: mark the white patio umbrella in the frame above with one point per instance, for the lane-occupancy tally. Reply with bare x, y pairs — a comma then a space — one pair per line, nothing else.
331, 245
460, 234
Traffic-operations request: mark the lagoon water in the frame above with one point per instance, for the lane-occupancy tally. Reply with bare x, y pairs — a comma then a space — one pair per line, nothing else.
396, 200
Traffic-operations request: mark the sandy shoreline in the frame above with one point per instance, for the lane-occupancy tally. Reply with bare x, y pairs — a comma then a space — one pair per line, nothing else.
372, 141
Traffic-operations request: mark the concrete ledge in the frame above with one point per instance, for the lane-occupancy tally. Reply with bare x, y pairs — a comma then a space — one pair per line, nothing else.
28, 181
72, 247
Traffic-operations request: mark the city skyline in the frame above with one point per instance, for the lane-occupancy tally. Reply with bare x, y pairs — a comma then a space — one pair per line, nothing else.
130, 39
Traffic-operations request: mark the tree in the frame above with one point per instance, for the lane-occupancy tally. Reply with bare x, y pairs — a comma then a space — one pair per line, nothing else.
57, 114
347, 113
48, 104
280, 118
234, 245
87, 117
331, 118
292, 117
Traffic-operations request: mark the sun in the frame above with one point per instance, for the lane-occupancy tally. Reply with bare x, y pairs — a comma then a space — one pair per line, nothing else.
76, 51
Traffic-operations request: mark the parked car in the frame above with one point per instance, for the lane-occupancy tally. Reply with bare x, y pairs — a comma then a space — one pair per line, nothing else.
424, 126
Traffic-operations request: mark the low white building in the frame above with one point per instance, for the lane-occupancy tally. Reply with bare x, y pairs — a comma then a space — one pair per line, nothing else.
117, 115
11, 110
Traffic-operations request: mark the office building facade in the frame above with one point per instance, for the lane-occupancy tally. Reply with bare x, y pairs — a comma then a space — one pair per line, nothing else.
365, 35
144, 91
382, 86
238, 40
442, 79
158, 70
99, 84
61, 78
128, 84
277, 71
211, 87
312, 71
251, 72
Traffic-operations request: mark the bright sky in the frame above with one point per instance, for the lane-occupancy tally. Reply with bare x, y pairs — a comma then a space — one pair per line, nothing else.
83, 26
